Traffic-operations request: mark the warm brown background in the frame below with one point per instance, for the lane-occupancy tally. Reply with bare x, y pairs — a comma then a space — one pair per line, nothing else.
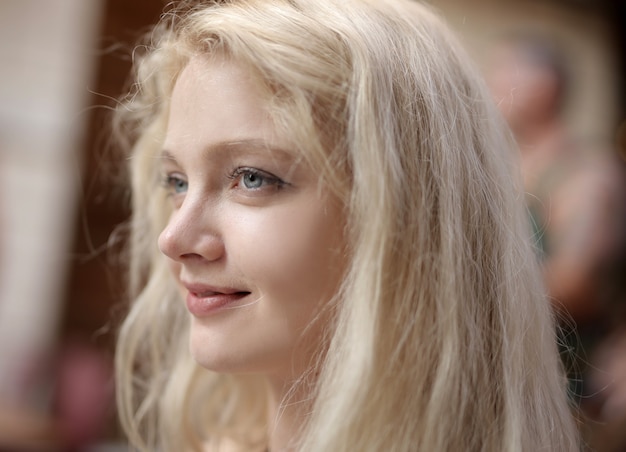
96, 284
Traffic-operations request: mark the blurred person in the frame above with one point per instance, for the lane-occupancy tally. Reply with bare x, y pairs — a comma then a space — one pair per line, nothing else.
577, 203
575, 192
343, 262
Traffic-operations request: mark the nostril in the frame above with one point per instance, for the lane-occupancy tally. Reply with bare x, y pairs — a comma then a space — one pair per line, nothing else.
190, 257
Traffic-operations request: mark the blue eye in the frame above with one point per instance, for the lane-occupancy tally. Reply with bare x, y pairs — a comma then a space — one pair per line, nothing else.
176, 184
252, 180
255, 179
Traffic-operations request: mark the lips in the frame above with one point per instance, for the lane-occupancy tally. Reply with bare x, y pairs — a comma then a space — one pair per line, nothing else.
203, 300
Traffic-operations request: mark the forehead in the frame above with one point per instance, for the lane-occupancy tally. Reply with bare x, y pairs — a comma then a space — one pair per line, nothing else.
217, 99
216, 70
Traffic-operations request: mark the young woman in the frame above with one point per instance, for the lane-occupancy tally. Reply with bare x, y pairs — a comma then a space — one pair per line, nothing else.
329, 249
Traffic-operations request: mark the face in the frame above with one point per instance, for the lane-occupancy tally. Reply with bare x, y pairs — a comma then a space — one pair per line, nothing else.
524, 91
254, 241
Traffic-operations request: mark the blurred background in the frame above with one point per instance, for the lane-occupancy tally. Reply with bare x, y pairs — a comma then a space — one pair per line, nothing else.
555, 68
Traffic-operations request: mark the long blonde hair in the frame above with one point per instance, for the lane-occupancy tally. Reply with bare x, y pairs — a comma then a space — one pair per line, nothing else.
442, 337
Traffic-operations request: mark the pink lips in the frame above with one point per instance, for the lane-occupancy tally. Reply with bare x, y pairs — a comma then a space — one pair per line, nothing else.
205, 300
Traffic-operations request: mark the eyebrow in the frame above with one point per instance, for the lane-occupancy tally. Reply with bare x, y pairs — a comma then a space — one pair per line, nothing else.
239, 146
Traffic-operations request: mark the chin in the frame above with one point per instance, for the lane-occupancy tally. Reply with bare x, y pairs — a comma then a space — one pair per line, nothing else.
226, 353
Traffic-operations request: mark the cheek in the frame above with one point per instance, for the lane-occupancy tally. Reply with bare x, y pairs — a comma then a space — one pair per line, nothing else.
294, 254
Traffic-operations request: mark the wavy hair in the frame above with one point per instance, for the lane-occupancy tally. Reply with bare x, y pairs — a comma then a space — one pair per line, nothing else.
442, 337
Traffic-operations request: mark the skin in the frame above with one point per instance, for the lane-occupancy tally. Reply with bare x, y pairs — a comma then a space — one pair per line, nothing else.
250, 217
526, 93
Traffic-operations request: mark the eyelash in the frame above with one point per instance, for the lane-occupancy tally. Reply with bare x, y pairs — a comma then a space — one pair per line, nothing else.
267, 179
172, 182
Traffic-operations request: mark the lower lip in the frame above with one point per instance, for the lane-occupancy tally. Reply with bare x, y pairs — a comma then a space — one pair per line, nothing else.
205, 306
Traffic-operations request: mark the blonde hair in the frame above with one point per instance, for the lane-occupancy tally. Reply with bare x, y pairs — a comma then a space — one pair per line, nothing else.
442, 337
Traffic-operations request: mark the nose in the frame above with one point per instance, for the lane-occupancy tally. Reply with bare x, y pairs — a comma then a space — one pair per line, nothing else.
190, 234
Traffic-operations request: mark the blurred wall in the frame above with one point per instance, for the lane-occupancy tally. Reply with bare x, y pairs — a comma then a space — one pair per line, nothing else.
46, 64
96, 290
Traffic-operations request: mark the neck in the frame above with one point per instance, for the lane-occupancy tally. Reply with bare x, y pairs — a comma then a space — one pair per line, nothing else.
288, 408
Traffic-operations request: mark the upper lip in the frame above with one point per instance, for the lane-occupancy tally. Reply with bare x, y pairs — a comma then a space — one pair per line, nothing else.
208, 290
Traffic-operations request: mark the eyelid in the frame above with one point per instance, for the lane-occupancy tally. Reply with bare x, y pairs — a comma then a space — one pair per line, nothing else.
170, 179
272, 180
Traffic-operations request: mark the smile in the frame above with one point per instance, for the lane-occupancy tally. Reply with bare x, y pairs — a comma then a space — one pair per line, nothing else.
203, 301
